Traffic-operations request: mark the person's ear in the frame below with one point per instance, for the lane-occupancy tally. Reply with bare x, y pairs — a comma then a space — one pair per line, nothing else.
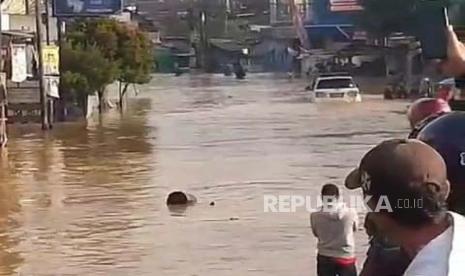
448, 189
434, 188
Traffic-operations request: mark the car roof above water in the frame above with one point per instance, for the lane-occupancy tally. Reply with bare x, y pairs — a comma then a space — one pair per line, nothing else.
334, 74
335, 77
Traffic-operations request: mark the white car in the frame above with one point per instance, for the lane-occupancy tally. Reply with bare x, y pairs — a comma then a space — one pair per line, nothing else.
334, 87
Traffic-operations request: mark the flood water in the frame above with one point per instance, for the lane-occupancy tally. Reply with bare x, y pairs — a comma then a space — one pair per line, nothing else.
88, 198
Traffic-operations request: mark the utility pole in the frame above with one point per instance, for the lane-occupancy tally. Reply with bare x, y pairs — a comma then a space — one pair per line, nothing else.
228, 13
43, 95
47, 21
50, 102
203, 39
60, 28
3, 111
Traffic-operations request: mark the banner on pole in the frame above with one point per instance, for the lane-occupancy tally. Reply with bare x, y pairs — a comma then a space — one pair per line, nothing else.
299, 25
51, 59
51, 85
18, 63
3, 89
83, 8
13, 7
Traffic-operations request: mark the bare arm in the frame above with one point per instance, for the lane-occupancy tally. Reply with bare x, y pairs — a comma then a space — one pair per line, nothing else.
312, 225
454, 65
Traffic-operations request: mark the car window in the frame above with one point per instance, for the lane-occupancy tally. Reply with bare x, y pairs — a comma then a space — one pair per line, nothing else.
335, 83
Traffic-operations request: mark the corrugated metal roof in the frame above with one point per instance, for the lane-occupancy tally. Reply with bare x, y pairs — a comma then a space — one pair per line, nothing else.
14, 6
226, 44
20, 34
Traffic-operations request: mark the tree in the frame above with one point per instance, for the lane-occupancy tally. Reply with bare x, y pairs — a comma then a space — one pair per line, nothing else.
86, 71
102, 51
135, 57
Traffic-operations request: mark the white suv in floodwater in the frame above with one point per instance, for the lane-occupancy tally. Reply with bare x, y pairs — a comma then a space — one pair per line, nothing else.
334, 87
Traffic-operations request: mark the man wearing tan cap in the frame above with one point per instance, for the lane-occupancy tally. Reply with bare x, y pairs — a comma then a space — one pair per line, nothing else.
405, 185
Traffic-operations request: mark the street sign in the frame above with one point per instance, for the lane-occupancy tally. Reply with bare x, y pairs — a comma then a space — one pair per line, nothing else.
86, 8
51, 60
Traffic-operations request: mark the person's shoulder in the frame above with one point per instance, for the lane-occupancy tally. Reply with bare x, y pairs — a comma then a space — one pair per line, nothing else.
458, 245
457, 216
316, 214
458, 219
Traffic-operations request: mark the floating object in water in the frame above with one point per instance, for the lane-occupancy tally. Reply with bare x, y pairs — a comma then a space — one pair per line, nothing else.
212, 203
180, 198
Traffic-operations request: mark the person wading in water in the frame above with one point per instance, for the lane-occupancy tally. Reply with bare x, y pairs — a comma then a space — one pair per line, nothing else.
334, 225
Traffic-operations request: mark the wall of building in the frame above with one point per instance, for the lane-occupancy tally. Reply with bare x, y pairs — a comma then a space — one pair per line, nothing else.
18, 15
334, 11
280, 12
14, 7
27, 23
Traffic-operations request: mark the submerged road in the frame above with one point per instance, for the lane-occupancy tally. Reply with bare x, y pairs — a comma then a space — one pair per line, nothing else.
88, 198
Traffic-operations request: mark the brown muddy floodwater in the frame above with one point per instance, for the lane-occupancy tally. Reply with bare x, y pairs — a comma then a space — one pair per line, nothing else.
88, 199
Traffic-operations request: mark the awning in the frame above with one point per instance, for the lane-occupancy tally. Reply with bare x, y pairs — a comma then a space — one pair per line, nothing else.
338, 32
362, 50
226, 44
177, 46
18, 34
279, 32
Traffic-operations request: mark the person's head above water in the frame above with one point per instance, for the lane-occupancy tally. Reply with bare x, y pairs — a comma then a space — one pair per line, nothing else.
180, 198
405, 183
424, 108
446, 134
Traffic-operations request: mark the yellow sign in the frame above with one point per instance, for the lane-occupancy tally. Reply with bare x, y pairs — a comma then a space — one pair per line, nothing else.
16, 7
51, 58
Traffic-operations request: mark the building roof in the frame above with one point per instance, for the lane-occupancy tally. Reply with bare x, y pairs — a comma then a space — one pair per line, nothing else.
20, 34
226, 44
279, 32
178, 46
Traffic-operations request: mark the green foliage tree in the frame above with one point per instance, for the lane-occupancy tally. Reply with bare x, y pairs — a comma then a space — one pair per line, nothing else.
86, 71
102, 51
135, 59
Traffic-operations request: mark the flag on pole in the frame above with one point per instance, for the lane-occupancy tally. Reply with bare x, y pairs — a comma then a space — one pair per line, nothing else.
299, 25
